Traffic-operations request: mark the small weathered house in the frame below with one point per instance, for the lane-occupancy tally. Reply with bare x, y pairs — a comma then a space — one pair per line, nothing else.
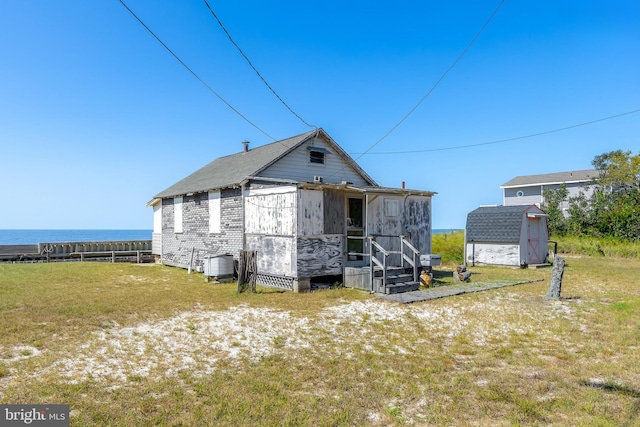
302, 203
529, 189
506, 235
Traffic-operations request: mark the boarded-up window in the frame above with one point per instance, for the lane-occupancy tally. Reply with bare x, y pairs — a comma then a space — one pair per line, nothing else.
214, 212
391, 207
177, 214
157, 218
316, 157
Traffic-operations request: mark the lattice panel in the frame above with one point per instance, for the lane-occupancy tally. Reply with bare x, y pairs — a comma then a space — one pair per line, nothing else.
275, 281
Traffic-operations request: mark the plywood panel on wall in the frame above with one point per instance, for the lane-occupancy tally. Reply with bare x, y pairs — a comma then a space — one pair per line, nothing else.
274, 254
273, 214
319, 255
310, 213
334, 211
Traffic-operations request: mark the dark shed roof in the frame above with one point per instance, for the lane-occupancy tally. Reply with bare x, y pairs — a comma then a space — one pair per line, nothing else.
495, 224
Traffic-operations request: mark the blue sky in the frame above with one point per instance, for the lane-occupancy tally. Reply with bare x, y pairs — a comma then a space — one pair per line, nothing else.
96, 117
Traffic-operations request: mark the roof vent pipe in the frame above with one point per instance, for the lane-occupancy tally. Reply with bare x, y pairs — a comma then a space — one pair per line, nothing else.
246, 145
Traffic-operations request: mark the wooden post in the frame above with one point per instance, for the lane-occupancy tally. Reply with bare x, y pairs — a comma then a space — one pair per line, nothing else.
191, 260
247, 271
555, 286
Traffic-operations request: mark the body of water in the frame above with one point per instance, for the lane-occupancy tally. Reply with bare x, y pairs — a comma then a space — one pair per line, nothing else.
28, 237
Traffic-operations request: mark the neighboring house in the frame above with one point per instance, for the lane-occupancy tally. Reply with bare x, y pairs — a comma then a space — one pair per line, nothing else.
302, 203
528, 189
506, 235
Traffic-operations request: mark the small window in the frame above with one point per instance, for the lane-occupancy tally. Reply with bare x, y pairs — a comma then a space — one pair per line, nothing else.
520, 193
177, 214
391, 208
214, 212
316, 157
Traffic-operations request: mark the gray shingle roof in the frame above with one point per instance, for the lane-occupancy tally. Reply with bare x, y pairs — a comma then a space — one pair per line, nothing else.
495, 224
231, 170
585, 175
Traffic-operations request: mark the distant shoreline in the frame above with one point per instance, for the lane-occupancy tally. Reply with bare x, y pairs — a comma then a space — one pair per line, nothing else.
35, 236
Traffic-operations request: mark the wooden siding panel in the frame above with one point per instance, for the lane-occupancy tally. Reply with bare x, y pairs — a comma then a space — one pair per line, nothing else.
417, 222
319, 255
296, 166
413, 219
273, 214
310, 213
334, 211
274, 254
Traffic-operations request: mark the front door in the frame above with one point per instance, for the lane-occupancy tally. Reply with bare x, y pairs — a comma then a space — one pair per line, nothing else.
355, 230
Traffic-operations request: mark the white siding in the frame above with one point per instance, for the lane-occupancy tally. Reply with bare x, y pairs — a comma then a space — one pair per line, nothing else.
496, 254
296, 166
214, 212
157, 218
177, 214
310, 213
272, 214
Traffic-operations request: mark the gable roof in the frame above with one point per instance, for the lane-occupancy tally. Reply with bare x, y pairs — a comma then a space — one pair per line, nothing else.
232, 170
585, 175
496, 223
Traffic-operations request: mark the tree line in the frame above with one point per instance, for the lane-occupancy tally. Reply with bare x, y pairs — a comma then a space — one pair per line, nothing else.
609, 207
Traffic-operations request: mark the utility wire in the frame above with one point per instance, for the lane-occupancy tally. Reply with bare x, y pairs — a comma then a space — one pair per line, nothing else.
254, 68
457, 147
193, 73
415, 107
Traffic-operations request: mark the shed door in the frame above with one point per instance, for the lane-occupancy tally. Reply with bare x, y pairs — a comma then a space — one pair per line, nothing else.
534, 240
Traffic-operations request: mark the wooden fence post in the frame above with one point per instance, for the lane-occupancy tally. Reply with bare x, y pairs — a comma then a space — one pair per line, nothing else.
247, 271
555, 286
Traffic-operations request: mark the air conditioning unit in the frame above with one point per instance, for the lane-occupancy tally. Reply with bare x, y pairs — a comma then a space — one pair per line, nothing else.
318, 179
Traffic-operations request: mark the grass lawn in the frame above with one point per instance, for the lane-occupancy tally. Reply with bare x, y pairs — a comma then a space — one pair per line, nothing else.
126, 344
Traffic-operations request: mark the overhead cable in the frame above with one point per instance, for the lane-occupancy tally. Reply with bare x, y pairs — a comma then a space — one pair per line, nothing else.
254, 68
457, 147
194, 74
415, 107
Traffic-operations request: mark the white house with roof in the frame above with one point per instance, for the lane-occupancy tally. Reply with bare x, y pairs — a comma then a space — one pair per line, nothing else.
302, 203
529, 189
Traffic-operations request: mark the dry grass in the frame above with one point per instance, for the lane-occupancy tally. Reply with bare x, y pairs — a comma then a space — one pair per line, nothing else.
143, 345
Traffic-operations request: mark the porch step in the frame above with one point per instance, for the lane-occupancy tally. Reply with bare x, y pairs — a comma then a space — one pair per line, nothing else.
397, 288
399, 278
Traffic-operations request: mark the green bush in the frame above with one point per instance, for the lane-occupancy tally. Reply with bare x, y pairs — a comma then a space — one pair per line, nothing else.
597, 246
450, 246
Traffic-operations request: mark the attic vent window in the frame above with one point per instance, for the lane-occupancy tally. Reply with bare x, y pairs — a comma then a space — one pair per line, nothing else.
316, 157
520, 193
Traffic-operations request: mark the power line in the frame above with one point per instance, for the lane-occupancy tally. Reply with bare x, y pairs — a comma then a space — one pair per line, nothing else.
509, 139
415, 107
193, 73
254, 68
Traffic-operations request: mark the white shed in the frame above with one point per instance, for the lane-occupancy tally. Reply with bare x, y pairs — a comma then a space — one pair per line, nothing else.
506, 235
